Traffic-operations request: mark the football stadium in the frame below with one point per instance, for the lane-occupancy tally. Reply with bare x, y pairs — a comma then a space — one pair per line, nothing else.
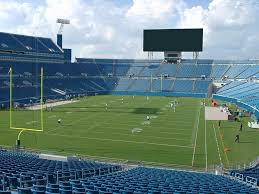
120, 125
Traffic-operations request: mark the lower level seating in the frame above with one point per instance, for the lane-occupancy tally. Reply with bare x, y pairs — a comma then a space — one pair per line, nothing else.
27, 173
250, 175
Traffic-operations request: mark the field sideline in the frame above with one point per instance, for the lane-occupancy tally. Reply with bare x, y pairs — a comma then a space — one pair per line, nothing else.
181, 138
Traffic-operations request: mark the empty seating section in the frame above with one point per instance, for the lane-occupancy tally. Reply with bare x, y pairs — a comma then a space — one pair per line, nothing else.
9, 43
249, 72
47, 42
218, 70
91, 76
167, 85
235, 70
156, 85
149, 70
122, 69
123, 84
238, 71
91, 69
203, 70
242, 87
167, 69
141, 85
23, 172
162, 85
106, 69
111, 83
250, 175
21, 43
30, 43
183, 86
147, 180
26, 172
244, 94
201, 86
186, 71
135, 70
229, 86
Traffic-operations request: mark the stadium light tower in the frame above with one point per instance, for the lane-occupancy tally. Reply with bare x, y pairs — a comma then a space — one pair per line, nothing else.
62, 22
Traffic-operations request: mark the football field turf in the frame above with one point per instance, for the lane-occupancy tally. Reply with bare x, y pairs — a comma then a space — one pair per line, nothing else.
122, 132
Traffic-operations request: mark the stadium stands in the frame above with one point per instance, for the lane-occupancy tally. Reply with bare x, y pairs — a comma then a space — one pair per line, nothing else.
150, 180
91, 76
249, 72
218, 70
201, 86
186, 71
28, 173
183, 85
235, 70
250, 175
25, 172
103, 77
16, 47
242, 93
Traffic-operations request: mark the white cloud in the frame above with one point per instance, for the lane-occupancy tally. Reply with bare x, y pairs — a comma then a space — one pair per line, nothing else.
101, 28
229, 28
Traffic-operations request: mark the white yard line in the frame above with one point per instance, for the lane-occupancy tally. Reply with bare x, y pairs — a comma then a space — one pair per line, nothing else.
154, 125
141, 135
118, 140
195, 141
82, 118
206, 150
75, 121
52, 116
30, 122
217, 144
175, 133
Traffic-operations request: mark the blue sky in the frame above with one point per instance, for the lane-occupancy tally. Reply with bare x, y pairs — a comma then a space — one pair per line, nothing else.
113, 28
203, 3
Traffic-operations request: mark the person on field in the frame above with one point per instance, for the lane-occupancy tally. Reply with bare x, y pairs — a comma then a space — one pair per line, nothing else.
219, 124
148, 118
59, 121
237, 138
241, 127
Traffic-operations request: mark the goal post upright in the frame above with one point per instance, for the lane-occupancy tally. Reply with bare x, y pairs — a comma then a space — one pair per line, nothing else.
11, 95
161, 82
41, 97
11, 108
151, 83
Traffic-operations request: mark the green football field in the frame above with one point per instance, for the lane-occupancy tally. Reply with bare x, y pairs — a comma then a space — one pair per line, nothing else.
122, 132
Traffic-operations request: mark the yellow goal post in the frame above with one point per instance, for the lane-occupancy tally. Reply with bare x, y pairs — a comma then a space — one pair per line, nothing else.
11, 107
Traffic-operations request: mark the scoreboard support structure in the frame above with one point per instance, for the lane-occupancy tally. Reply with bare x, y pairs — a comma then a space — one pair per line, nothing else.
196, 56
